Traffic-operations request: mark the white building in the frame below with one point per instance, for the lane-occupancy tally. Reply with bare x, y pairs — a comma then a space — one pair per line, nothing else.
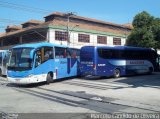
75, 31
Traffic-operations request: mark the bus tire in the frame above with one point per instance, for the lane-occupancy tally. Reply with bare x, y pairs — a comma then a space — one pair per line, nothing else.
117, 73
49, 78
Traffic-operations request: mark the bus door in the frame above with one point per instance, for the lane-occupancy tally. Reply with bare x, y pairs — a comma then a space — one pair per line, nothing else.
43, 62
73, 61
61, 62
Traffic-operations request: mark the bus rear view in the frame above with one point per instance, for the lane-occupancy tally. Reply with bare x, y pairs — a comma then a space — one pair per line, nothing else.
87, 59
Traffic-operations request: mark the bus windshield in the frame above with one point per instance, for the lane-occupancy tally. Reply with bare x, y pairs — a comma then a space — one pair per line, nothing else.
0, 58
20, 59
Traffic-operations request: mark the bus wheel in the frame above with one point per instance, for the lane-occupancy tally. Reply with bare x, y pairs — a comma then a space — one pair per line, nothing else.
49, 78
116, 73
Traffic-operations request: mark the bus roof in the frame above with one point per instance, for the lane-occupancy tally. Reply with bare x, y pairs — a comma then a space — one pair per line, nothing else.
37, 45
120, 47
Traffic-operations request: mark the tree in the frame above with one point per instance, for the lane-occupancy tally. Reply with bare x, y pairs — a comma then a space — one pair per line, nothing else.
156, 32
146, 31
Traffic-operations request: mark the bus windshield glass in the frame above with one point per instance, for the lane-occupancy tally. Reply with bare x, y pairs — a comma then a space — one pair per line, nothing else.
20, 59
0, 58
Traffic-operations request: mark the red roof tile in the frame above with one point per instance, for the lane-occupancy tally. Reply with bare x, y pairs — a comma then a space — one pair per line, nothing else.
14, 27
34, 21
87, 19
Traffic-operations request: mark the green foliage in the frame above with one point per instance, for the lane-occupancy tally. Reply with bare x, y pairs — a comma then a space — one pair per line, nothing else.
146, 32
156, 31
142, 19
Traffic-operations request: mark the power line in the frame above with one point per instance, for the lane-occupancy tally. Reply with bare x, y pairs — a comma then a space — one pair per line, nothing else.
23, 7
2, 27
9, 21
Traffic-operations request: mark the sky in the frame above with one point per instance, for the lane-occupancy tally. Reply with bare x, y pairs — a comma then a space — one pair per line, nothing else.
115, 11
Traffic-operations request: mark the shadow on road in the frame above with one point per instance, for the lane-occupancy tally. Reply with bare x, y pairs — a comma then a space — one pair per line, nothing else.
36, 84
134, 80
25, 85
152, 81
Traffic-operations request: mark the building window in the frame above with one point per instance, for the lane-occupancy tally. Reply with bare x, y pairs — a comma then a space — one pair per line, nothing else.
61, 36
83, 38
116, 41
102, 39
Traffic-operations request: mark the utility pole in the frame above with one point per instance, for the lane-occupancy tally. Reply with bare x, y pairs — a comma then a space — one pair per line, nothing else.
68, 15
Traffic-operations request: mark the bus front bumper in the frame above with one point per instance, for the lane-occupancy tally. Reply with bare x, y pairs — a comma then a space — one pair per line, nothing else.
28, 80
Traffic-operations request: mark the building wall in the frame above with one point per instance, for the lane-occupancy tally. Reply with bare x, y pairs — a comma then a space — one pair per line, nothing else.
46, 32
74, 39
50, 37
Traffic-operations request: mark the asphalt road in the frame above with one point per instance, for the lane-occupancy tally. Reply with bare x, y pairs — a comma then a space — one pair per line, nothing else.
134, 94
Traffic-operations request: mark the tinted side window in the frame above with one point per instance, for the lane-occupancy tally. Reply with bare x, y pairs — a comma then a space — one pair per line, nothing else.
104, 53
43, 54
75, 53
126, 54
60, 52
110, 54
48, 53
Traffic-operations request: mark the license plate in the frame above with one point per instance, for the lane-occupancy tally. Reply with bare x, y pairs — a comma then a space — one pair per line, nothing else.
17, 80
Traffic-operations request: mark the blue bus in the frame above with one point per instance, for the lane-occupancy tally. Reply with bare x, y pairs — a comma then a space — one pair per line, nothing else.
39, 62
116, 60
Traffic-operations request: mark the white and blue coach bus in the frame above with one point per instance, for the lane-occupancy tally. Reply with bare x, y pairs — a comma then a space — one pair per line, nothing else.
39, 62
117, 60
